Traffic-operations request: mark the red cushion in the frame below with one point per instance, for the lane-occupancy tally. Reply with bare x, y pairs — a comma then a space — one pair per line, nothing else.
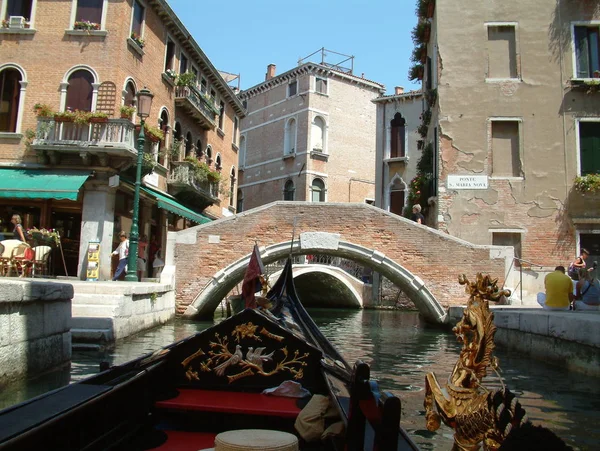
232, 402
188, 441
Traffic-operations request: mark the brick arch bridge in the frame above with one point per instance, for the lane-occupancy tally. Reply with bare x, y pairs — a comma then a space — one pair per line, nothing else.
424, 263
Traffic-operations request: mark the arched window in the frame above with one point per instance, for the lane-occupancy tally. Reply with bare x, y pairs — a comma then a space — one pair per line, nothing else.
218, 162
289, 190
240, 201
209, 158
232, 181
10, 94
199, 149
289, 141
80, 91
397, 196
164, 126
189, 142
317, 189
398, 138
242, 154
129, 97
318, 135
177, 142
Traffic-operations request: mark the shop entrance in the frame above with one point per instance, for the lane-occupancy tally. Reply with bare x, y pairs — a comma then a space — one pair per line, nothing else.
68, 224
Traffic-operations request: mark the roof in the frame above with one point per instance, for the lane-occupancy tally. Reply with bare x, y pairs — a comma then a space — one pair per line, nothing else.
305, 69
395, 97
190, 44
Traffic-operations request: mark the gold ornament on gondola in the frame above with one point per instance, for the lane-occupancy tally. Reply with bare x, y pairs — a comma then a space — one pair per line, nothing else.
466, 405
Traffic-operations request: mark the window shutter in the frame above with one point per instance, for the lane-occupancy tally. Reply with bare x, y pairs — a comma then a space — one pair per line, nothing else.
589, 142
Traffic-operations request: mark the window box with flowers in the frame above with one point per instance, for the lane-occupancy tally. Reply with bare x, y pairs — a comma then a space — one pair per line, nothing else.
5, 28
154, 134
169, 76
136, 42
42, 110
85, 27
127, 112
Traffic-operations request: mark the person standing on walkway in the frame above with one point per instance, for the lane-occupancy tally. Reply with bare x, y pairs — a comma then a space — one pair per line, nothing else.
559, 290
578, 263
417, 216
142, 256
18, 233
122, 251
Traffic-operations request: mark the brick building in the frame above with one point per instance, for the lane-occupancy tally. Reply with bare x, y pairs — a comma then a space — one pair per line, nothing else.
398, 117
75, 174
309, 135
516, 121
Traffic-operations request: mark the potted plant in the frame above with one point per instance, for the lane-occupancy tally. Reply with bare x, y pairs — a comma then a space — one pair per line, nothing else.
187, 79
127, 112
64, 116
86, 25
589, 183
154, 134
81, 117
596, 74
98, 117
137, 39
42, 110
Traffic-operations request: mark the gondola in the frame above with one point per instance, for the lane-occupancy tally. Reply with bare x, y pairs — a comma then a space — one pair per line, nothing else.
210, 390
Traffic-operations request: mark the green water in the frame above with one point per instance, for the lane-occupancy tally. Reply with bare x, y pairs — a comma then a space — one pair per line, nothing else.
401, 350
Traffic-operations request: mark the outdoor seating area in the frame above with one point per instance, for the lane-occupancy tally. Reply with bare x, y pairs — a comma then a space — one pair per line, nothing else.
19, 259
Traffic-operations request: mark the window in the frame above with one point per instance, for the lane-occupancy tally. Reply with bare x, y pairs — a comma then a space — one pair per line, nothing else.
508, 239
397, 196
199, 149
188, 145
170, 55
429, 74
80, 91
292, 88
317, 189
218, 163
231, 186
398, 138
89, 10
289, 190
177, 136
213, 94
164, 125
240, 201
589, 147
321, 85
242, 152
590, 240
10, 93
221, 114
506, 158
21, 8
209, 154
137, 21
318, 134
502, 52
183, 64
587, 46
289, 143
129, 98
203, 85
236, 126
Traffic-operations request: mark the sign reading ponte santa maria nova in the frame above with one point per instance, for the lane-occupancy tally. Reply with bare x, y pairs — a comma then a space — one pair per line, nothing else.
467, 182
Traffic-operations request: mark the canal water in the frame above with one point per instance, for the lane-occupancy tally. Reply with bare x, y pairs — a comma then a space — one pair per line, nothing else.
400, 350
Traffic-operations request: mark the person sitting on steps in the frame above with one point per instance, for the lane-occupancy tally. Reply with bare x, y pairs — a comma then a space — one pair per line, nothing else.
588, 292
559, 290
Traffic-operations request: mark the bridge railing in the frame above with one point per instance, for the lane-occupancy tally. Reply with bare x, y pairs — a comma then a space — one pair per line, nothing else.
351, 267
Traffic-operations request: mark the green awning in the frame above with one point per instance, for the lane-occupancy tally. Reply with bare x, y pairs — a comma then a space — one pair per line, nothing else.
170, 204
36, 184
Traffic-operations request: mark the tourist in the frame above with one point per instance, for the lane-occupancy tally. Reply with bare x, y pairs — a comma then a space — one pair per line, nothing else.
142, 256
417, 216
588, 292
559, 290
122, 251
153, 249
18, 233
578, 263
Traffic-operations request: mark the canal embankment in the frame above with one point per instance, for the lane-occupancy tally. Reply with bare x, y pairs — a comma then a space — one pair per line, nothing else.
570, 339
35, 327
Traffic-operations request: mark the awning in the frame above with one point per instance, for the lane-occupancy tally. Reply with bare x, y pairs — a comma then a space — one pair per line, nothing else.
36, 184
170, 204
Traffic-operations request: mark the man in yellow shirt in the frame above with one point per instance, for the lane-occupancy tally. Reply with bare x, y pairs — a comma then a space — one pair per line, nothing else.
559, 290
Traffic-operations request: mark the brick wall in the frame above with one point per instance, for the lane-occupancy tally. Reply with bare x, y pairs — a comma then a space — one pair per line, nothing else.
435, 257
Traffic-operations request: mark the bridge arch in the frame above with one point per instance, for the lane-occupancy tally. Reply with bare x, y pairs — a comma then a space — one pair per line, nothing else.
226, 279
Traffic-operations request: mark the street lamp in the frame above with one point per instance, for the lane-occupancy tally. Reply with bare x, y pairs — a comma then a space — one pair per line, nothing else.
144, 102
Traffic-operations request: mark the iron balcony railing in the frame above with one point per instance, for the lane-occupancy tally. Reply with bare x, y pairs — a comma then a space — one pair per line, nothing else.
114, 134
199, 101
182, 173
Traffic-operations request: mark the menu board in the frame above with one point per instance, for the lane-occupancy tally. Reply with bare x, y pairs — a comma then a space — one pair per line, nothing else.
93, 261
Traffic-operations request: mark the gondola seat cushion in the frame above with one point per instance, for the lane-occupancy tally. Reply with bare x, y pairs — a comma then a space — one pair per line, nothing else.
256, 439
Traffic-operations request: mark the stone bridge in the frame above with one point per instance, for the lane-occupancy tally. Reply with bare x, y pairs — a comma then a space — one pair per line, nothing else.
211, 259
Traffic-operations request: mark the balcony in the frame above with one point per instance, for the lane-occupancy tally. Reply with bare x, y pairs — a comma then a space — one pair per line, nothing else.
195, 103
185, 186
107, 142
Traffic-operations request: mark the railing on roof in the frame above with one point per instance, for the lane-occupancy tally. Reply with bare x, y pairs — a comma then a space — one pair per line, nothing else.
335, 66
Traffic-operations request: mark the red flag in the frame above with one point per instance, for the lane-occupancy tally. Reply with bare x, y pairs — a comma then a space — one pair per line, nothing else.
251, 282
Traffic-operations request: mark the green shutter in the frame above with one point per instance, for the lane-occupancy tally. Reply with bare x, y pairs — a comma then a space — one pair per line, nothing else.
589, 147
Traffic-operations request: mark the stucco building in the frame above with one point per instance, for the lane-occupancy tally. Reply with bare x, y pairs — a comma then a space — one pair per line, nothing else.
309, 135
75, 172
516, 121
399, 147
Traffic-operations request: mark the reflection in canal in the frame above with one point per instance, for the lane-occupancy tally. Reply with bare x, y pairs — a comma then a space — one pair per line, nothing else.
400, 350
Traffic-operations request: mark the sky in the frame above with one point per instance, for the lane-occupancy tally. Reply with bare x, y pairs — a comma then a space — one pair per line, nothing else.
244, 36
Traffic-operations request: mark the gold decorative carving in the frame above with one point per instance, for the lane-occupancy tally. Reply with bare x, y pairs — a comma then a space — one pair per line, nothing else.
466, 405
219, 359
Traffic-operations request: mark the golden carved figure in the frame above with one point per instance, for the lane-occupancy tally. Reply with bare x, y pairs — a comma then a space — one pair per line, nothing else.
466, 405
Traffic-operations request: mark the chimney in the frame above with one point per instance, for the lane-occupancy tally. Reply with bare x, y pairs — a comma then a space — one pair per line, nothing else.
399, 90
270, 72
